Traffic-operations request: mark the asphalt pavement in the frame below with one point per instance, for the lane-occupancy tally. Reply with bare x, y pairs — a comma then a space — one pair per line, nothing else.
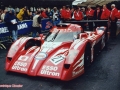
103, 74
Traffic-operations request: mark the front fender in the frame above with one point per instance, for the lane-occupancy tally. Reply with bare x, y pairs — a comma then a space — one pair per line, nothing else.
17, 46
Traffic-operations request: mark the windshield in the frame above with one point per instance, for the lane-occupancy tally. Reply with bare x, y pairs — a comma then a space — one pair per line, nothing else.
61, 36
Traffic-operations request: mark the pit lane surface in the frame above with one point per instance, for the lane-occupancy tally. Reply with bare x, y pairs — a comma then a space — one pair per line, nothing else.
103, 74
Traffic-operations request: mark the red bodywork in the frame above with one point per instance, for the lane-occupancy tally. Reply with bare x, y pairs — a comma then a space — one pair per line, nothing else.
59, 60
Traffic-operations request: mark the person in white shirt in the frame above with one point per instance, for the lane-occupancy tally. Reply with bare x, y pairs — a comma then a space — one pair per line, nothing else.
3, 15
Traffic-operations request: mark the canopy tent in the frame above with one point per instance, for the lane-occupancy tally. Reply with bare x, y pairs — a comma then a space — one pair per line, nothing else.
91, 2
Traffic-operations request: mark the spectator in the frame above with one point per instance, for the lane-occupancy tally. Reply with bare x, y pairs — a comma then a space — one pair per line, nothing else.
113, 19
37, 24
0, 15
47, 12
11, 22
3, 15
26, 13
43, 13
97, 15
105, 16
72, 13
67, 13
55, 16
78, 14
105, 13
84, 13
62, 13
90, 14
84, 18
23, 14
30, 16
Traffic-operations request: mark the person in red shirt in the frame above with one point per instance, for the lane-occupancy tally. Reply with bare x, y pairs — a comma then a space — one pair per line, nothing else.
78, 14
62, 13
105, 16
105, 13
43, 14
113, 19
90, 14
67, 13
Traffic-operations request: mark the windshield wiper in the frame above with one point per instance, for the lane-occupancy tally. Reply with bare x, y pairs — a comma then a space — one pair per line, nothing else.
54, 36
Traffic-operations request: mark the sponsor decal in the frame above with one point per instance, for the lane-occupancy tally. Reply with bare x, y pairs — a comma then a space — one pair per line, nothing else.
49, 70
78, 44
78, 66
48, 25
74, 73
62, 30
20, 66
23, 58
51, 44
40, 56
22, 26
57, 59
3, 30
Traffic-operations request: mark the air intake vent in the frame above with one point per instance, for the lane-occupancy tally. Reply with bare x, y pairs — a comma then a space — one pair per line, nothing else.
66, 66
9, 58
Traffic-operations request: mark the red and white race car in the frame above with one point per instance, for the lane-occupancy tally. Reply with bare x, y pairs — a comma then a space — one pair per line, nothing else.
63, 54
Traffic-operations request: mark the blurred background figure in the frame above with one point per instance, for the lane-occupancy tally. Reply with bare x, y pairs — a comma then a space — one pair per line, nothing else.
3, 15
55, 16
90, 14
11, 22
67, 13
23, 14
30, 16
105, 16
62, 13
113, 20
78, 14
43, 13
97, 15
84, 13
1, 11
36, 24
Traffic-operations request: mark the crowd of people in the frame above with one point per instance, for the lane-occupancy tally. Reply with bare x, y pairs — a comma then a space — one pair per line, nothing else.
11, 17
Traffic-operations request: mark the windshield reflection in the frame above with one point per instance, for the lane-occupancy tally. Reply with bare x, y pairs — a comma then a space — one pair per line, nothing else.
61, 36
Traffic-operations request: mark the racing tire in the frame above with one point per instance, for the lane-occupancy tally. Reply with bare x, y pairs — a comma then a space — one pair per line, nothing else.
87, 57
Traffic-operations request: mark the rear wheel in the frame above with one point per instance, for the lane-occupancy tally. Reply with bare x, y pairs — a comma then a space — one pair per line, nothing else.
87, 57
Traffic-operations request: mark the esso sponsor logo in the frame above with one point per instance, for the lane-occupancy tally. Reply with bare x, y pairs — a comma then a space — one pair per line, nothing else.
50, 70
40, 56
19, 66
22, 64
